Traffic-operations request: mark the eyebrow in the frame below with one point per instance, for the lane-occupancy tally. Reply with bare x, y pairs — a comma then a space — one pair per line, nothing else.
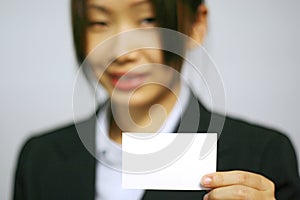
107, 11
98, 8
138, 2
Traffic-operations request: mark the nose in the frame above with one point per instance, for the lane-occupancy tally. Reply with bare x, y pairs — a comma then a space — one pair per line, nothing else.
127, 57
125, 45
127, 42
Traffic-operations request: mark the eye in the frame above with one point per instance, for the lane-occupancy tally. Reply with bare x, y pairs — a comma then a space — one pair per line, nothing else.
97, 24
149, 21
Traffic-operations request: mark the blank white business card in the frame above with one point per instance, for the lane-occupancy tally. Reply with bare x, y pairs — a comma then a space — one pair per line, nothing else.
167, 161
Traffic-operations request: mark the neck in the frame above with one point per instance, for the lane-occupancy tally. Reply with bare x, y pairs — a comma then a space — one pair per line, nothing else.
143, 119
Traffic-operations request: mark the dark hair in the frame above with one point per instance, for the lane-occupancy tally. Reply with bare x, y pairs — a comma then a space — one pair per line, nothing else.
177, 15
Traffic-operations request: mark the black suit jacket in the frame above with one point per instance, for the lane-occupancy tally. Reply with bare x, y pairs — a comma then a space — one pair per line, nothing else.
57, 166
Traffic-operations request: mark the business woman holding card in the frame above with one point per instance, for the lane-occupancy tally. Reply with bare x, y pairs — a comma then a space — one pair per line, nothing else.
125, 44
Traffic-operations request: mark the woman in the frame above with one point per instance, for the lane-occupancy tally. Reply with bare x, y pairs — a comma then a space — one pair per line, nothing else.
253, 162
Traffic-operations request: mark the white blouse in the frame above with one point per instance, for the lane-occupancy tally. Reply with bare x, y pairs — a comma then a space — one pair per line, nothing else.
108, 169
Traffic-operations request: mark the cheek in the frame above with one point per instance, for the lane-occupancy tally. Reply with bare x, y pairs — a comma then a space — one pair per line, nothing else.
91, 43
98, 58
165, 76
93, 39
154, 56
160, 74
96, 49
104, 80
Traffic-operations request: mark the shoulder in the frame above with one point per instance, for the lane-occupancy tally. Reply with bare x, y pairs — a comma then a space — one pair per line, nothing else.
243, 131
262, 150
256, 147
42, 147
50, 138
55, 145
232, 130
239, 136
49, 157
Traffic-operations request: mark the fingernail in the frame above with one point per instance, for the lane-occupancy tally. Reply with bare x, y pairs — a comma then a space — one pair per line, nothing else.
205, 197
206, 181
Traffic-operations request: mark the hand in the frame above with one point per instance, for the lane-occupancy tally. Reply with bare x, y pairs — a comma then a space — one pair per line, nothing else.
238, 185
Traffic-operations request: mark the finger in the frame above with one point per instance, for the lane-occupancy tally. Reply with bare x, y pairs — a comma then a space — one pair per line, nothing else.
234, 192
221, 179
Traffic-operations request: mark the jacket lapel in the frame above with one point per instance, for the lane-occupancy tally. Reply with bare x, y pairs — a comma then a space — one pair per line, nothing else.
189, 123
73, 175
74, 178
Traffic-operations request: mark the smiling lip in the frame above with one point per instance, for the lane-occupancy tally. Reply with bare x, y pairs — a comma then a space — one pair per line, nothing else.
127, 81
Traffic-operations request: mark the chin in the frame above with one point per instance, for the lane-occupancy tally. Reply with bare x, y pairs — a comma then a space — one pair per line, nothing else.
143, 97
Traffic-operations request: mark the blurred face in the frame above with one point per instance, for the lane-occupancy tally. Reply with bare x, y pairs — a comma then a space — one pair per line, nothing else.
130, 73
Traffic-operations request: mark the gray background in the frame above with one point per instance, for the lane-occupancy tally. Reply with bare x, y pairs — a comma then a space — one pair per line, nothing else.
255, 44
